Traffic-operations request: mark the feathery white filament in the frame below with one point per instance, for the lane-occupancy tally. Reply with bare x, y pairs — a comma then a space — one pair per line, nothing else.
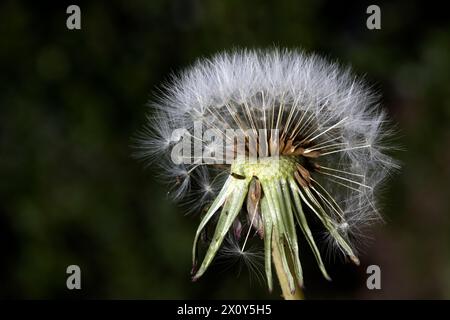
326, 117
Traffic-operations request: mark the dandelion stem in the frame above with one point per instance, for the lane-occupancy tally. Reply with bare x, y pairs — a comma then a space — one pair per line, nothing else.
283, 277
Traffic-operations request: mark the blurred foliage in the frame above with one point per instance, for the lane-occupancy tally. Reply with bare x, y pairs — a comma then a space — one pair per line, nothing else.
70, 101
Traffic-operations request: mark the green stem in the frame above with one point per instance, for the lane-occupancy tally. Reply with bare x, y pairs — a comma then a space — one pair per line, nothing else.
283, 279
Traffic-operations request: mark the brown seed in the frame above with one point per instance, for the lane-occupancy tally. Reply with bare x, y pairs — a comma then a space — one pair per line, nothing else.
300, 180
311, 154
253, 207
287, 148
304, 174
298, 152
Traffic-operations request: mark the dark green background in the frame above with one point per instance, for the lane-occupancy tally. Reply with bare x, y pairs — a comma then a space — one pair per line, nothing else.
70, 101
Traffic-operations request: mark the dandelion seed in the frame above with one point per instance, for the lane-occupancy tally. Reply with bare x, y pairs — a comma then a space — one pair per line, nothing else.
321, 149
251, 256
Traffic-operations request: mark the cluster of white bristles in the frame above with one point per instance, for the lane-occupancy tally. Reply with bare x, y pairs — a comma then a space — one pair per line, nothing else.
328, 121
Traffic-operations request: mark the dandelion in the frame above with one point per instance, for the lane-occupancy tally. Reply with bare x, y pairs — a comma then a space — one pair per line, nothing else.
314, 146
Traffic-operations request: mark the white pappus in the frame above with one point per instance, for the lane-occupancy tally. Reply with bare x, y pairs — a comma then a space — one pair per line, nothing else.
330, 152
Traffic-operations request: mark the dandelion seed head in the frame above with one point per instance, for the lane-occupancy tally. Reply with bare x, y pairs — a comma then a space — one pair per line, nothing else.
334, 141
